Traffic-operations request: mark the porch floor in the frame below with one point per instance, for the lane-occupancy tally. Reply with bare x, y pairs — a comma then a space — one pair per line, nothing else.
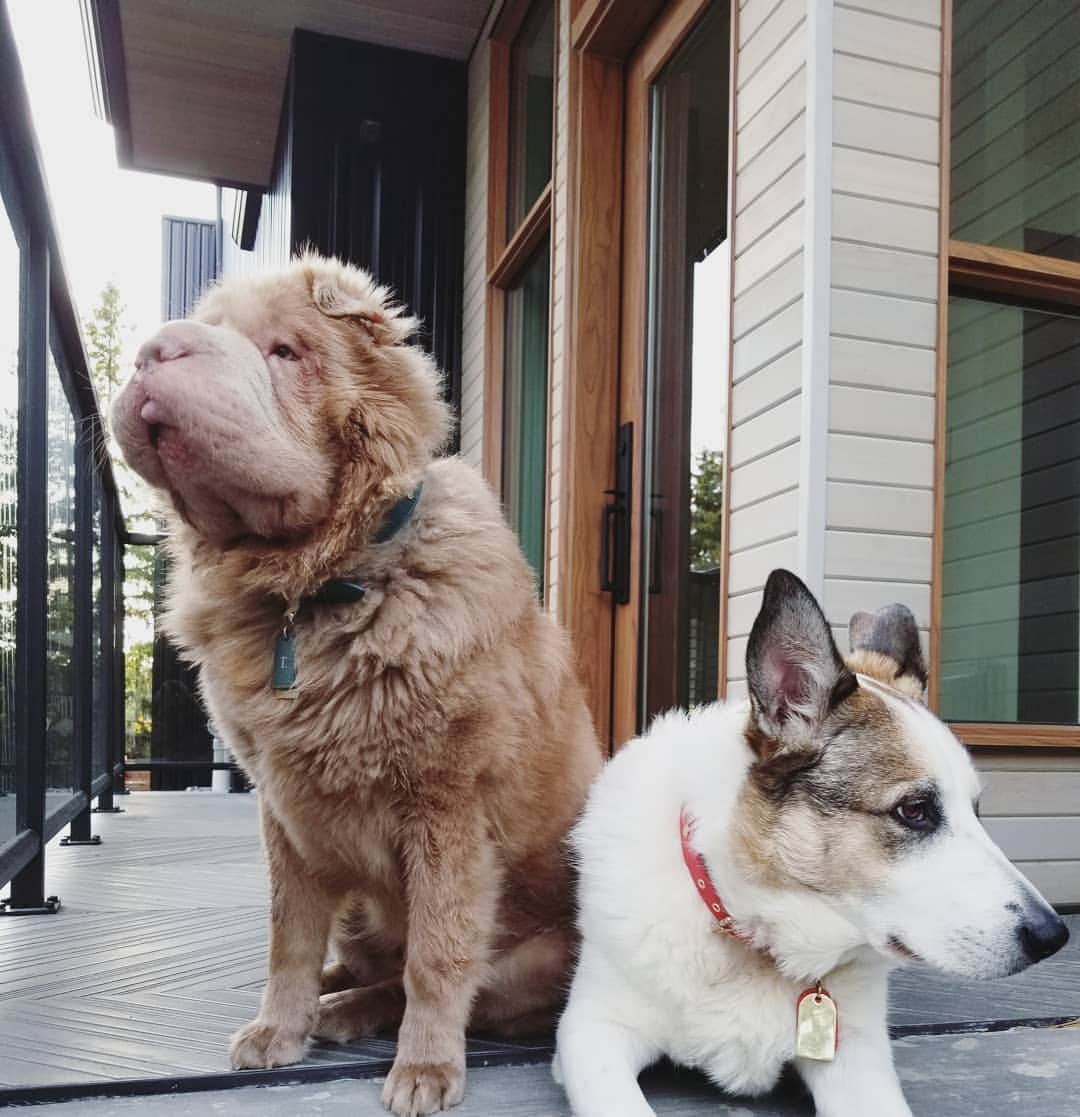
159, 953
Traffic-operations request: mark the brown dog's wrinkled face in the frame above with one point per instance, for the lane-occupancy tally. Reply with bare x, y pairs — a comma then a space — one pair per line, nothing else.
862, 800
250, 413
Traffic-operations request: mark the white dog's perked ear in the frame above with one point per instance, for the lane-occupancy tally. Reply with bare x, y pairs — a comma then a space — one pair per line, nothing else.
891, 631
793, 668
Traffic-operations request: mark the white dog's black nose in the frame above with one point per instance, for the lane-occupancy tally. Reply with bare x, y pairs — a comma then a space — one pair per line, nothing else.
1042, 933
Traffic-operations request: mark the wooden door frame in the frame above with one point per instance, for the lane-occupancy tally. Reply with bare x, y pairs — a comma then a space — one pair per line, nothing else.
608, 124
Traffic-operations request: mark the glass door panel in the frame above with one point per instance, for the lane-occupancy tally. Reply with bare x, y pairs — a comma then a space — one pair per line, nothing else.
686, 373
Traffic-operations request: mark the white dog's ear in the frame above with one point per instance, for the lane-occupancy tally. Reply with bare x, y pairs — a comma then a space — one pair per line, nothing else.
891, 631
793, 668
332, 301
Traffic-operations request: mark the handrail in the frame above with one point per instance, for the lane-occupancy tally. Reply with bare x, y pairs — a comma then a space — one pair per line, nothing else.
49, 321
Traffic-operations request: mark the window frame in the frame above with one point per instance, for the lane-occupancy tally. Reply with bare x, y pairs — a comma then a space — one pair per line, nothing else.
510, 252
998, 275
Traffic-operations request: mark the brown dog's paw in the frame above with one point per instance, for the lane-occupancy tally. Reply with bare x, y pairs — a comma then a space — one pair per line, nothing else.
341, 1018
335, 978
258, 1046
417, 1089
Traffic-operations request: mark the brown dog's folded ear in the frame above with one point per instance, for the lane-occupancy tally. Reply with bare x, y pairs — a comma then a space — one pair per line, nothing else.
336, 303
892, 631
793, 668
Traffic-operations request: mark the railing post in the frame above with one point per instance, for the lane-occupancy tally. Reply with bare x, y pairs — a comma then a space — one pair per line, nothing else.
112, 667
83, 633
31, 608
109, 547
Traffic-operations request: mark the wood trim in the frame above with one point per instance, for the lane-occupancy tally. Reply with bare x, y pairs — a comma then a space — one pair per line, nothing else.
591, 365
1006, 271
629, 405
1017, 736
509, 20
941, 356
665, 38
611, 28
519, 251
667, 34
725, 512
494, 308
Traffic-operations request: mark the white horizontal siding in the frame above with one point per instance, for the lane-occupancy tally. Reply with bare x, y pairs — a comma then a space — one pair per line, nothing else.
768, 316
846, 596
767, 475
884, 279
881, 364
770, 295
874, 508
894, 38
767, 386
1029, 803
887, 224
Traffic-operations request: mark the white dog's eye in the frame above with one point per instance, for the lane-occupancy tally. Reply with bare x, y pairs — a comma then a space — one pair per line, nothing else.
284, 352
917, 814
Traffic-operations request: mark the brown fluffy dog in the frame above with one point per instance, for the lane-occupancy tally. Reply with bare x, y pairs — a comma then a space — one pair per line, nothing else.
417, 782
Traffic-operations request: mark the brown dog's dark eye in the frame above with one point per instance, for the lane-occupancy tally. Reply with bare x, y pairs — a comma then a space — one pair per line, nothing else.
917, 814
284, 352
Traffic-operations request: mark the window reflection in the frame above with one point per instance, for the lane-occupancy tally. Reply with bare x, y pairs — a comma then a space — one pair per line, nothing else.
60, 724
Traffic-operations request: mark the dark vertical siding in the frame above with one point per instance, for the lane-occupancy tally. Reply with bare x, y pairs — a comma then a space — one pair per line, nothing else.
377, 149
190, 260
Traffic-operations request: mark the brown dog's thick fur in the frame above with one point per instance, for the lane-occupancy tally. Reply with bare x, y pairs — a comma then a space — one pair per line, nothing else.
416, 790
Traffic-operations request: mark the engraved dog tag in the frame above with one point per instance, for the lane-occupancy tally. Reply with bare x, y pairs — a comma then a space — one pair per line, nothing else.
283, 678
816, 1025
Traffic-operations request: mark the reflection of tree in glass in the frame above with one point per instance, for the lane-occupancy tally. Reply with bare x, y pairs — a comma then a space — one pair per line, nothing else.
706, 510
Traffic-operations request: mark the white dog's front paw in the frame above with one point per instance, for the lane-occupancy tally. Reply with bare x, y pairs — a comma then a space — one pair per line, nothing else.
259, 1046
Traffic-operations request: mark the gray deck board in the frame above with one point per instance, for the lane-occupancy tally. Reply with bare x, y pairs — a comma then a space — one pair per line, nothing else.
160, 950
1034, 1074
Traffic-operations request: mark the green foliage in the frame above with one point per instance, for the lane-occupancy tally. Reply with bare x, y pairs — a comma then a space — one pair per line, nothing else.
138, 699
706, 510
107, 333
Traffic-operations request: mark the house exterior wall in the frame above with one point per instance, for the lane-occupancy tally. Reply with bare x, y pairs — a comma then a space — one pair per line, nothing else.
884, 267
768, 283
474, 320
834, 315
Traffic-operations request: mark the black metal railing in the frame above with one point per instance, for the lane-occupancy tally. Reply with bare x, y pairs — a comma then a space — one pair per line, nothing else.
61, 533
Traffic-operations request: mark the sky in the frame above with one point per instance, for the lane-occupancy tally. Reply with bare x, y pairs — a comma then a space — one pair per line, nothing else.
108, 220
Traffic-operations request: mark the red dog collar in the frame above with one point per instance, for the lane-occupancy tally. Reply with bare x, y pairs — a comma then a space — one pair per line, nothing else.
699, 874
817, 1021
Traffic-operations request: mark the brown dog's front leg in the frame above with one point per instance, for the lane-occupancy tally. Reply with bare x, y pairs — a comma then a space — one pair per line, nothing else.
300, 913
453, 882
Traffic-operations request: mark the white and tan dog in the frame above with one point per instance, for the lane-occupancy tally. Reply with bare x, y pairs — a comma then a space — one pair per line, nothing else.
829, 825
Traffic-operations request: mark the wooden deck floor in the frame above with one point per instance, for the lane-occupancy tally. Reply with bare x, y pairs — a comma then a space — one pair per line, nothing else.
159, 953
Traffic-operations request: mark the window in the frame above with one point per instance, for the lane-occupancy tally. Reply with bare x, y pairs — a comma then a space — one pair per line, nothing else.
519, 259
9, 397
1009, 650
525, 381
